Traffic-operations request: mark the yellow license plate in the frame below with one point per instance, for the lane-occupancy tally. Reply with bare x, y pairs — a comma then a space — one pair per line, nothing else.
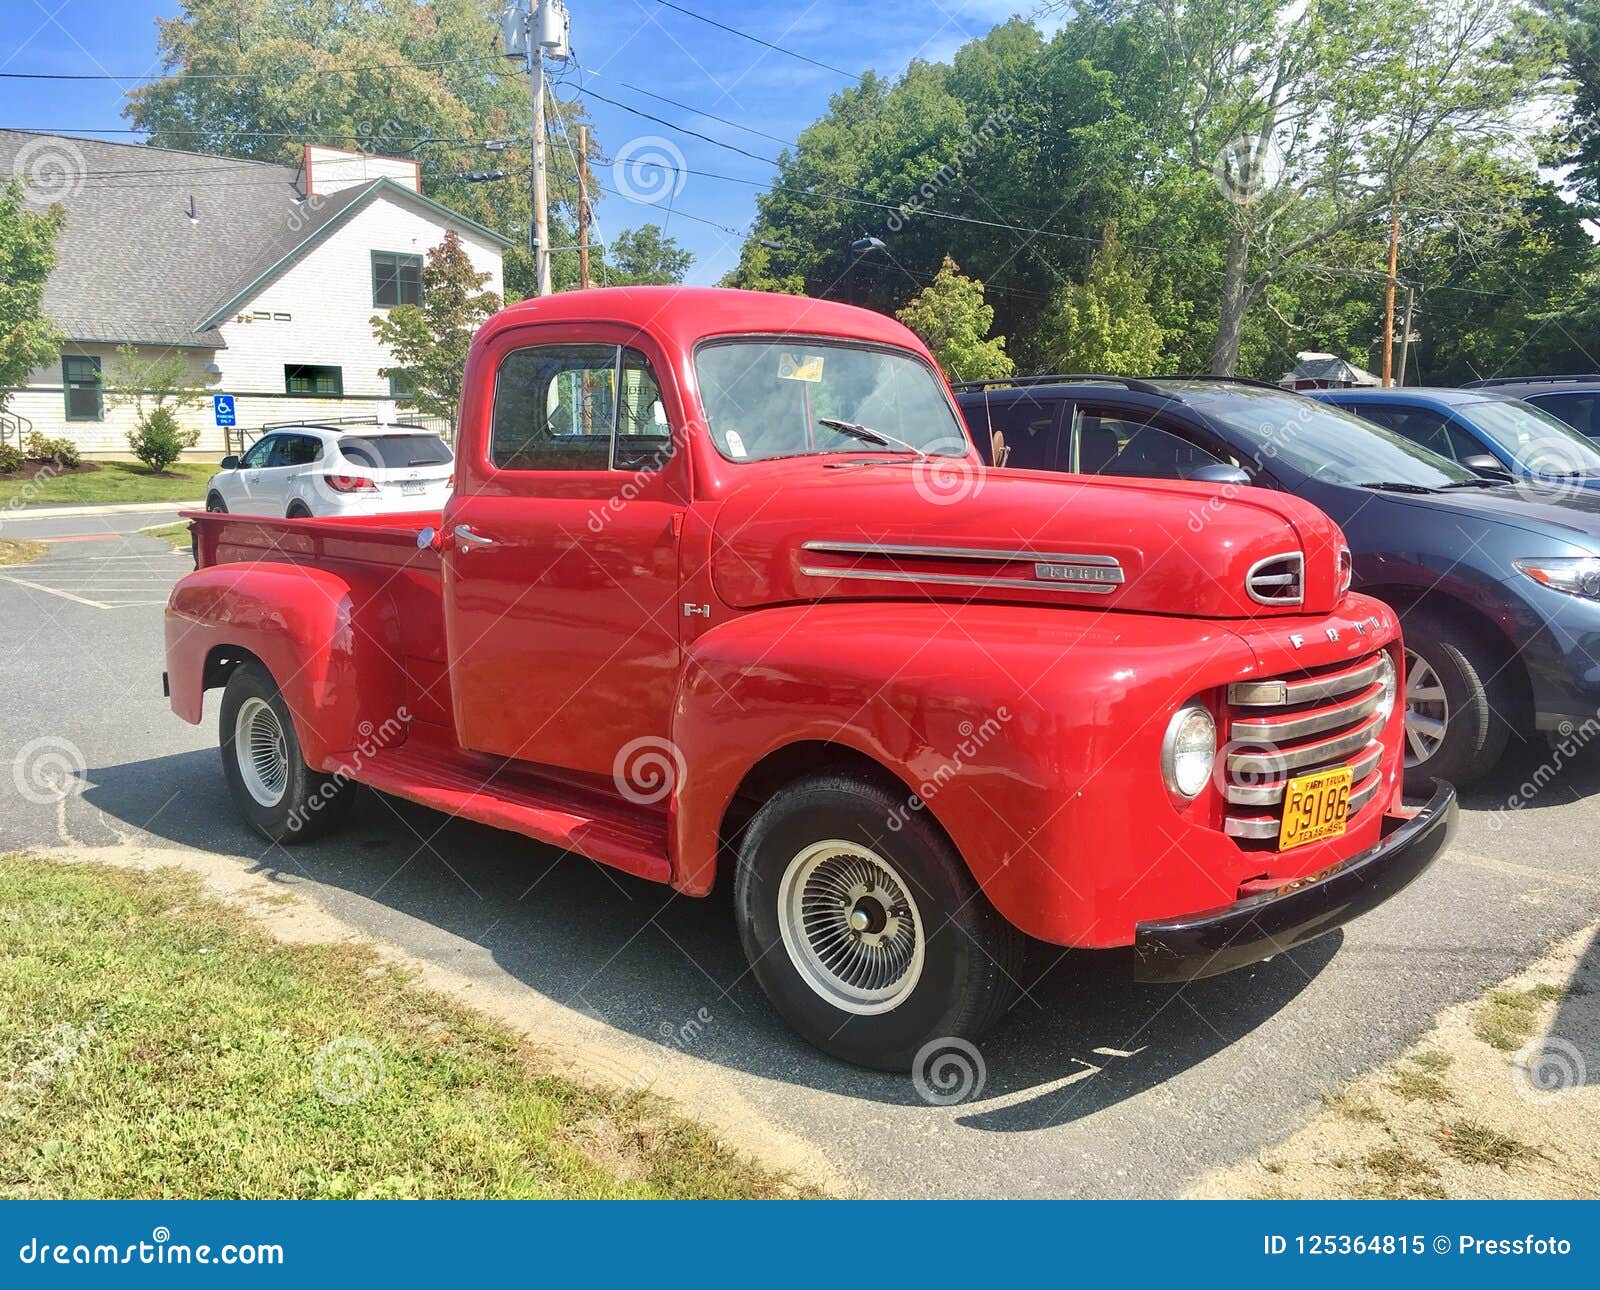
1315, 807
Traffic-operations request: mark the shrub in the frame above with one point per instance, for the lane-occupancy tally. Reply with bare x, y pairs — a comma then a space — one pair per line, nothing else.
10, 458
61, 451
159, 440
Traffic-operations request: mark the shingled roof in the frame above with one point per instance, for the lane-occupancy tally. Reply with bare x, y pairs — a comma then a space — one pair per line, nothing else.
134, 267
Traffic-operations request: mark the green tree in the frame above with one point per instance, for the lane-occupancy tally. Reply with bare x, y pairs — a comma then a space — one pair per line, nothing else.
430, 341
27, 254
147, 382
1105, 323
402, 77
954, 321
644, 256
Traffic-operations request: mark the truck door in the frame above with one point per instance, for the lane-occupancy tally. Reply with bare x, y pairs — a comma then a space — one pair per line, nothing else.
561, 550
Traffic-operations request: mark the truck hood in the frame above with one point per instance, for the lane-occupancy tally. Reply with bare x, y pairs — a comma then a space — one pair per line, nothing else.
948, 529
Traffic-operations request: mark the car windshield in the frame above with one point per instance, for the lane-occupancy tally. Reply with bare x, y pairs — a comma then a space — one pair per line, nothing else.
1539, 442
768, 398
1321, 441
394, 451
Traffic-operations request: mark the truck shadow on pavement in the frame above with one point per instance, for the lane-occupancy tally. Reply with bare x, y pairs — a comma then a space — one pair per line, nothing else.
669, 969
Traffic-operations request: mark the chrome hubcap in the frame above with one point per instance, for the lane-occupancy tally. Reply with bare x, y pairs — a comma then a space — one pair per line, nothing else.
262, 751
1427, 710
851, 927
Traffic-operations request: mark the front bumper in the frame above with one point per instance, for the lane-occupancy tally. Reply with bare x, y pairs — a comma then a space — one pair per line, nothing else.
1258, 927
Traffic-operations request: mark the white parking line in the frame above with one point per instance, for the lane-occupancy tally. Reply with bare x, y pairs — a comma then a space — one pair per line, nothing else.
54, 591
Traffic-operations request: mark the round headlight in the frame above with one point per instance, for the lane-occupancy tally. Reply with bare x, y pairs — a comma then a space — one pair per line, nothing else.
1189, 750
1389, 682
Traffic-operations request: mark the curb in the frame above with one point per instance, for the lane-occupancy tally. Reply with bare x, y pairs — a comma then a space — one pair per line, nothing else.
16, 514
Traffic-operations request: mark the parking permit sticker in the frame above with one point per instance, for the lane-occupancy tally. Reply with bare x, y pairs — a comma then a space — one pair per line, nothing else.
800, 367
735, 444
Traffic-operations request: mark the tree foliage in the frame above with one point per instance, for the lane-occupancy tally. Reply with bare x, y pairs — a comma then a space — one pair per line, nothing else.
954, 321
644, 256
430, 341
27, 254
150, 381
1105, 323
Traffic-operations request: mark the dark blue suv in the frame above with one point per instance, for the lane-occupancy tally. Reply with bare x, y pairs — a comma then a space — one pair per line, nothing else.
1486, 431
1499, 591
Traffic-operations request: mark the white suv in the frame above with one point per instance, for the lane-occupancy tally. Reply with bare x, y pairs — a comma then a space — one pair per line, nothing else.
305, 470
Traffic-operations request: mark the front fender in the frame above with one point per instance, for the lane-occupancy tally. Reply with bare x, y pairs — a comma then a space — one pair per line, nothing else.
1031, 736
330, 640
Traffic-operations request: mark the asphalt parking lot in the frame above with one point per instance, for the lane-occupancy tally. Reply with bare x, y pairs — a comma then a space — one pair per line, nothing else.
1095, 1087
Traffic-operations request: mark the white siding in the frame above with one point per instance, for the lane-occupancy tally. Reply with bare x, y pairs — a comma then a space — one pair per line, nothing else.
327, 295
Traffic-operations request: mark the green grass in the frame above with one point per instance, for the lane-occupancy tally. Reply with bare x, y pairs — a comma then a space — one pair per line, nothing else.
114, 481
20, 551
154, 1043
1353, 1106
1402, 1176
1507, 1020
1415, 1085
177, 534
1478, 1144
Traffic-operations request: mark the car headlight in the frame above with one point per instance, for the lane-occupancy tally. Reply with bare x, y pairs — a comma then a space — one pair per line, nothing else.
1390, 683
1577, 575
1189, 751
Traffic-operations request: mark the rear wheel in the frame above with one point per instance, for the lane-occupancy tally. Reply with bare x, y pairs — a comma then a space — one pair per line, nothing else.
273, 788
872, 942
298, 511
215, 503
1457, 704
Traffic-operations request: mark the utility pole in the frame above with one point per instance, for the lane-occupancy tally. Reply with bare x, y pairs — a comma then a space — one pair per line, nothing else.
583, 206
540, 226
1388, 301
535, 28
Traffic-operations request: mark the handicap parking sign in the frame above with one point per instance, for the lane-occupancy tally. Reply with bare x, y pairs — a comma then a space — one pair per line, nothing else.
222, 405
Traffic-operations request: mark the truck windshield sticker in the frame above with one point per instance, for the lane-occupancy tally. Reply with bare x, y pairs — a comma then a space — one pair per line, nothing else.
735, 444
800, 367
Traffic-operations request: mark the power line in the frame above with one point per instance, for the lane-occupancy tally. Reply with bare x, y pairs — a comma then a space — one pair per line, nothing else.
185, 74
745, 35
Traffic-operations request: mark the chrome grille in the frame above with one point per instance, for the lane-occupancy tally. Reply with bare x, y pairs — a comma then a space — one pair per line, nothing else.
1285, 727
1278, 580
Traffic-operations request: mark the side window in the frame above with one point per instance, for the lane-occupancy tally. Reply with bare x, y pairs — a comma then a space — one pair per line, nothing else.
260, 453
300, 450
1431, 429
557, 407
1028, 432
1577, 410
1108, 444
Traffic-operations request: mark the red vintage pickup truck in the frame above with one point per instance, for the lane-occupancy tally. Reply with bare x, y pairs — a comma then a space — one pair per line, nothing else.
724, 591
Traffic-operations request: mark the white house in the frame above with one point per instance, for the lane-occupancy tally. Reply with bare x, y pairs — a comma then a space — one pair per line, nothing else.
265, 277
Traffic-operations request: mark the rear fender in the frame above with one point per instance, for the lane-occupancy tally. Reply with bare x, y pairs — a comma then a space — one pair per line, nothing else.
330, 640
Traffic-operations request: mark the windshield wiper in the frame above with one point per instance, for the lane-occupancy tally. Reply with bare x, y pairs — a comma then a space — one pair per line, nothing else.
1478, 483
868, 435
1394, 486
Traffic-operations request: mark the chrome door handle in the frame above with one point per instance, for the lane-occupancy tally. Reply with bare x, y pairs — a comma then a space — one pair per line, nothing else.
465, 536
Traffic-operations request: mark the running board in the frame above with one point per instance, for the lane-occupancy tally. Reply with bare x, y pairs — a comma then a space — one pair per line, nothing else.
450, 781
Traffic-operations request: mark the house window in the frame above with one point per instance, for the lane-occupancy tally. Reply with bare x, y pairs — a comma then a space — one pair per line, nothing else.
396, 279
400, 386
303, 378
80, 378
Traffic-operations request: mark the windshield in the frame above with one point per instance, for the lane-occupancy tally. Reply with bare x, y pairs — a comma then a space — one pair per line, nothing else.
1321, 441
394, 451
769, 398
1537, 440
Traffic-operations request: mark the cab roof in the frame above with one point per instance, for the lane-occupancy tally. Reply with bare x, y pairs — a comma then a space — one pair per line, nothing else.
679, 317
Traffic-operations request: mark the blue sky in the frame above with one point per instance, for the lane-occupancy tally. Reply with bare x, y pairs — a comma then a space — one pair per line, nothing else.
623, 47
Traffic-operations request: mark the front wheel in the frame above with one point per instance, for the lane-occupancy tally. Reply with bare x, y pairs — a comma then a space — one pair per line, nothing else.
871, 941
215, 503
1456, 706
282, 798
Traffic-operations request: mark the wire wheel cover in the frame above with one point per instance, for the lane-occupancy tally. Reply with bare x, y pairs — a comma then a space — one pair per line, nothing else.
262, 751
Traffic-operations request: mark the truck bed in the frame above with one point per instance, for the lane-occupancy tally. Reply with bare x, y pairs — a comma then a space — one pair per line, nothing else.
226, 538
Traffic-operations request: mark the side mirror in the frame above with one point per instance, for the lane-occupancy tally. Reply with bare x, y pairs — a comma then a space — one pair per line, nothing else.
1220, 473
427, 539
230, 462
1483, 464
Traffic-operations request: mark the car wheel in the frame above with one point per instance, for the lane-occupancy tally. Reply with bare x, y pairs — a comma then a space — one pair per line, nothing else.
215, 503
871, 942
1456, 703
298, 511
282, 798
